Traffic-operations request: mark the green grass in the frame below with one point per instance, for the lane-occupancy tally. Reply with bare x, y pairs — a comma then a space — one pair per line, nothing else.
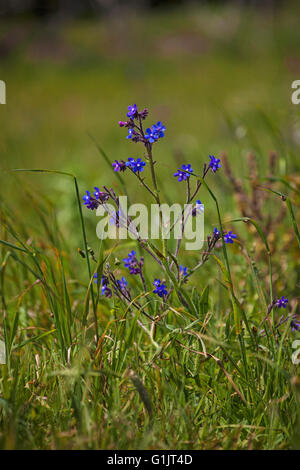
220, 80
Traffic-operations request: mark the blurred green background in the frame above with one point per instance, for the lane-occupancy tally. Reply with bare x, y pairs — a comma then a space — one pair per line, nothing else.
218, 76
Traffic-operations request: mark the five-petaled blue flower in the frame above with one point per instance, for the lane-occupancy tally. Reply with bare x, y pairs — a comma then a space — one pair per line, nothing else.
183, 270
229, 237
132, 263
160, 288
156, 132
182, 175
281, 302
214, 163
132, 111
136, 165
216, 233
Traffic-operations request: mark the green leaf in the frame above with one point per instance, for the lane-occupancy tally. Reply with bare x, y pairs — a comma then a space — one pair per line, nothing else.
204, 301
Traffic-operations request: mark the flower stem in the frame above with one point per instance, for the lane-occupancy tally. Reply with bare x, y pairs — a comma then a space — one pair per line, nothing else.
154, 181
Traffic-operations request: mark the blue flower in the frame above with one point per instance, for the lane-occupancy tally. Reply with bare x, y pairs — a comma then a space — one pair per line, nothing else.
183, 270
214, 163
101, 196
295, 324
104, 279
92, 202
156, 132
132, 263
89, 201
105, 290
131, 133
122, 283
216, 233
229, 237
136, 165
150, 136
281, 302
182, 175
159, 130
160, 288
119, 165
132, 111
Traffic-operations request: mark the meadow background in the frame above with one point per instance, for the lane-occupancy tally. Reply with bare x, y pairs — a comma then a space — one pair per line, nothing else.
219, 77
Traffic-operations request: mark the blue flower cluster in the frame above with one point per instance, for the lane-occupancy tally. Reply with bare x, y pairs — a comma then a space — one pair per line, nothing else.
105, 289
182, 174
214, 163
136, 165
183, 270
160, 288
131, 262
135, 128
122, 283
157, 131
228, 237
92, 202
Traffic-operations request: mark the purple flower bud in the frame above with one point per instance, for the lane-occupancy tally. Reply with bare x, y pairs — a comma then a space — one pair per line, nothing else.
144, 113
101, 196
119, 165
295, 324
